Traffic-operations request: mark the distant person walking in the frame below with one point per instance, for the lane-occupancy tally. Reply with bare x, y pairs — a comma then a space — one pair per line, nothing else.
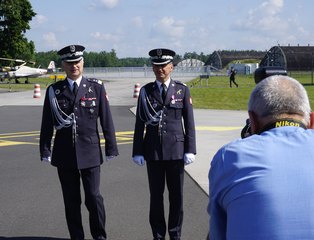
232, 74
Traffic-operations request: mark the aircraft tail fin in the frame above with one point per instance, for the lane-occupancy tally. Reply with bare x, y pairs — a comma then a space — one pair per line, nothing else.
51, 67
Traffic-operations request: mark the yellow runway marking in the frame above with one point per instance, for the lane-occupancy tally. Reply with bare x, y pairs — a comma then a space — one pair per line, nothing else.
123, 137
12, 143
216, 128
19, 134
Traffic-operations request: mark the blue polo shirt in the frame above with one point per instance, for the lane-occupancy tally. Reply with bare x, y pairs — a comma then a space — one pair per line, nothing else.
262, 187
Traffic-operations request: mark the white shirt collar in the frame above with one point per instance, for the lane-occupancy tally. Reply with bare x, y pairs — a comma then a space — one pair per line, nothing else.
71, 82
166, 83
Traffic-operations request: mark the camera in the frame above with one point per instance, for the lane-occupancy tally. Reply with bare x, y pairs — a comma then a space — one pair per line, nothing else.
260, 74
264, 72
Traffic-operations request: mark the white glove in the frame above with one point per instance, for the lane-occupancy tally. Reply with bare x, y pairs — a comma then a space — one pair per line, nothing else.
139, 160
46, 159
189, 158
109, 158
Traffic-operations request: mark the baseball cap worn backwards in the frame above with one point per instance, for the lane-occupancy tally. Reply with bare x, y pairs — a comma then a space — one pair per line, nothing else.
161, 56
71, 53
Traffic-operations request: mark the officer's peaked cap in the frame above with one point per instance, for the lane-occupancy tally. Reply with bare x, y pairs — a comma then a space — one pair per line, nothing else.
71, 53
160, 56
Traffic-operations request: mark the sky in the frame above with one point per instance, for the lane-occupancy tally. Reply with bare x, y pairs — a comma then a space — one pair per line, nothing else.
133, 27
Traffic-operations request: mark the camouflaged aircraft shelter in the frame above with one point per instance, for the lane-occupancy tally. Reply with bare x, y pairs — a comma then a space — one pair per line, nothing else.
220, 59
292, 58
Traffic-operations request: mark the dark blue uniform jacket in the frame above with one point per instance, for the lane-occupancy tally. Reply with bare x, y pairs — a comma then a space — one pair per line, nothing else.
89, 105
175, 135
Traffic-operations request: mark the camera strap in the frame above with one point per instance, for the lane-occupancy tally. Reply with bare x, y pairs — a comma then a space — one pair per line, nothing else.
283, 123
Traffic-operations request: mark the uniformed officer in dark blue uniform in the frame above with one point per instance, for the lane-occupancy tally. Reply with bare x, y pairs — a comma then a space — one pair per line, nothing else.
165, 142
74, 110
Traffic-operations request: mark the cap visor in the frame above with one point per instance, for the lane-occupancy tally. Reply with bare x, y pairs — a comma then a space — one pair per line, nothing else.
73, 59
163, 62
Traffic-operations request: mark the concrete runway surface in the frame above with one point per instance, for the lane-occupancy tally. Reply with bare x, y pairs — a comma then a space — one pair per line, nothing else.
31, 201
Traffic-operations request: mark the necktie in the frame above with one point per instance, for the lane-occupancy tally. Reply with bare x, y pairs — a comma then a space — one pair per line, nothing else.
164, 91
75, 88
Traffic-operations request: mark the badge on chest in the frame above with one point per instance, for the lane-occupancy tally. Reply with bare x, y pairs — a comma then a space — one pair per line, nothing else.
88, 101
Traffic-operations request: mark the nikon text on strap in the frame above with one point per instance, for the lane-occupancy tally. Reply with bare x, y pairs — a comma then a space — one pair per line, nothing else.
283, 123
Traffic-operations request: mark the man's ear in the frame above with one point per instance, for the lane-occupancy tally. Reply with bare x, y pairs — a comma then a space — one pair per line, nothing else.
311, 124
255, 126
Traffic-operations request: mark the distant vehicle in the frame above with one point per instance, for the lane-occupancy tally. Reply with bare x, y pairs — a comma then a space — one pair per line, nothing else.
23, 71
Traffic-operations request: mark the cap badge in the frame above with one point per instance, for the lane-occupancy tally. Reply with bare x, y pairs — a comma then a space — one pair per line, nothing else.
159, 52
72, 48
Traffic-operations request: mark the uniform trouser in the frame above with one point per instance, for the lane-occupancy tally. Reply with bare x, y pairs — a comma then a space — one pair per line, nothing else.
172, 173
70, 183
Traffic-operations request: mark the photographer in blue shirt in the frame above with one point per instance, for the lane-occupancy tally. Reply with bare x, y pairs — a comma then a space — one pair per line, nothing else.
261, 187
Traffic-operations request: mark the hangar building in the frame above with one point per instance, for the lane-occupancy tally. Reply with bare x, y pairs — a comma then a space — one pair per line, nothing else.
220, 59
292, 58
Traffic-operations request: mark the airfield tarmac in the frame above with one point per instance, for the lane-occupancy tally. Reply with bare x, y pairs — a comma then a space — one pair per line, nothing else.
213, 128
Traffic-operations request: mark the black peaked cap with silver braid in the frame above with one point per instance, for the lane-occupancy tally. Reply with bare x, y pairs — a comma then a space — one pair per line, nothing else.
161, 56
71, 53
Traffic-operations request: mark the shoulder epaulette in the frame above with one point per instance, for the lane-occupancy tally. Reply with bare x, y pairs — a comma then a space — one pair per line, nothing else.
95, 80
57, 84
149, 84
179, 82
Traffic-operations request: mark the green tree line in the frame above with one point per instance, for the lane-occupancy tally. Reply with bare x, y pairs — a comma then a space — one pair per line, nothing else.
108, 59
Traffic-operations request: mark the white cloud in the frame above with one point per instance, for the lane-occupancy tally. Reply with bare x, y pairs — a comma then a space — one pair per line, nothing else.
61, 29
265, 17
109, 3
271, 7
137, 21
50, 40
105, 36
167, 26
39, 20
270, 23
92, 6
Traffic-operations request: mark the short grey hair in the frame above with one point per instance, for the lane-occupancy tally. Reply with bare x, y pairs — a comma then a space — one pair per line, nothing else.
277, 95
